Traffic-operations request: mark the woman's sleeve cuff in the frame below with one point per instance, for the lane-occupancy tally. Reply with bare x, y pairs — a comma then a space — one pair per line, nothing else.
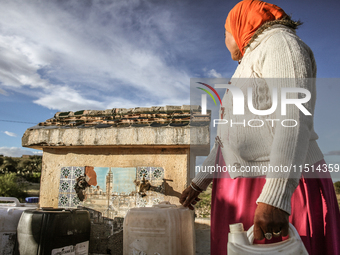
278, 192
202, 180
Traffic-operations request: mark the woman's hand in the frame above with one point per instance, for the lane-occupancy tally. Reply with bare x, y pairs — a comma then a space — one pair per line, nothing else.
189, 197
269, 219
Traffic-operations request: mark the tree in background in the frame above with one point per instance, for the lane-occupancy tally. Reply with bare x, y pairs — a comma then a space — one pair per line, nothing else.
31, 165
337, 187
9, 165
10, 187
26, 167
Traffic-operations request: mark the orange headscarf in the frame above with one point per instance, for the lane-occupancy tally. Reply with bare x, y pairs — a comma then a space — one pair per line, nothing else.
247, 16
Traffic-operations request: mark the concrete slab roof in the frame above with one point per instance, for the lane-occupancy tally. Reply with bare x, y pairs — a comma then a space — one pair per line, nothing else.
148, 126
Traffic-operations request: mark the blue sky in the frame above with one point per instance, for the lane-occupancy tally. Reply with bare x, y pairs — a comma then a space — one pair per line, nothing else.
74, 55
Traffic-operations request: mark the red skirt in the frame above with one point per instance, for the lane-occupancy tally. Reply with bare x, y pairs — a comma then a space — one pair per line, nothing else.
315, 211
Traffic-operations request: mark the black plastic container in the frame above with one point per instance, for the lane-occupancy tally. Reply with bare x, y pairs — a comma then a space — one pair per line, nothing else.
53, 231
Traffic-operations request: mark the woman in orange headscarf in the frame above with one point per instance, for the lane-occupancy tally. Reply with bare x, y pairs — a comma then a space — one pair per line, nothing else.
261, 36
247, 17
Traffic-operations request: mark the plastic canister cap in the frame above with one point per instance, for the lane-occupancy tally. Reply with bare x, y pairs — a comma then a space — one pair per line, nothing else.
32, 199
164, 204
236, 228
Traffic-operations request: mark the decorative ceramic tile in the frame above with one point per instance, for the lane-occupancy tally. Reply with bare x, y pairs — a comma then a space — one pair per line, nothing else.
155, 176
157, 198
65, 186
77, 171
149, 200
65, 173
75, 201
63, 200
67, 195
73, 185
150, 173
143, 172
156, 201
157, 173
141, 202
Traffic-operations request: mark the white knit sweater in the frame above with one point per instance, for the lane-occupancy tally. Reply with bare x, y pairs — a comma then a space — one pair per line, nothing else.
277, 53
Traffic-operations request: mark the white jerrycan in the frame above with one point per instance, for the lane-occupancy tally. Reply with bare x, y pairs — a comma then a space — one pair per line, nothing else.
241, 243
164, 229
10, 214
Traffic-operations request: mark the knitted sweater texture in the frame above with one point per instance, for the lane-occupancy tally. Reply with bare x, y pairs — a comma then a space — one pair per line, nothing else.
279, 59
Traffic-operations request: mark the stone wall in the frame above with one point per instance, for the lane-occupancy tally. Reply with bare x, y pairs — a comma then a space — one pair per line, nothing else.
174, 161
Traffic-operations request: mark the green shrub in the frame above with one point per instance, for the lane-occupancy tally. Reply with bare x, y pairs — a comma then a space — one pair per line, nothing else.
337, 187
9, 187
203, 207
33, 177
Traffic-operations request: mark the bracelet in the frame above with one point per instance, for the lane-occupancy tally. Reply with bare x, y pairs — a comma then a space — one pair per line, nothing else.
194, 188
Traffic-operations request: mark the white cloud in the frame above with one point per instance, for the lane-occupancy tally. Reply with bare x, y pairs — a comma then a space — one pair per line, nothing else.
213, 74
17, 152
65, 98
18, 65
71, 56
10, 134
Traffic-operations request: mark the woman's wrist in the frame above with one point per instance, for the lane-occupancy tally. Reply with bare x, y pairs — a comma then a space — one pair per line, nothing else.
195, 187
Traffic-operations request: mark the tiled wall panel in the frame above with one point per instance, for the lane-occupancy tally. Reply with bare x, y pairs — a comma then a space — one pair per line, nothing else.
117, 189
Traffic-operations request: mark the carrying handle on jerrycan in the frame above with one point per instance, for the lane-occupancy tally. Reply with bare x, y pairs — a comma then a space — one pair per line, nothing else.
292, 233
164, 204
10, 199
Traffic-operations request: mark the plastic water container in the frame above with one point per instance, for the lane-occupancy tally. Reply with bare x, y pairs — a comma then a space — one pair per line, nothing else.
9, 217
32, 200
241, 243
163, 229
54, 231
